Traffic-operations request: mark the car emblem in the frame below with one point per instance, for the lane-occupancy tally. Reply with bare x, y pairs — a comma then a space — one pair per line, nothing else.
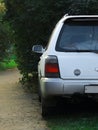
96, 69
77, 72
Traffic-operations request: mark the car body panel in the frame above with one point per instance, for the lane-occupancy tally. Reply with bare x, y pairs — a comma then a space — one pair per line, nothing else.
87, 63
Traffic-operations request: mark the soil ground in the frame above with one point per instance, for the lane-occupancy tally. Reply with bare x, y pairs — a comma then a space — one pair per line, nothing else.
19, 110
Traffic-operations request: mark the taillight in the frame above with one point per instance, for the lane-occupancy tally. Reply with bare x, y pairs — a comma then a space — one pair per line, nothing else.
51, 67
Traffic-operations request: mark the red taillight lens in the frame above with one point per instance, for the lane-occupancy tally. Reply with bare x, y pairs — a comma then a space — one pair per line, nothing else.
51, 67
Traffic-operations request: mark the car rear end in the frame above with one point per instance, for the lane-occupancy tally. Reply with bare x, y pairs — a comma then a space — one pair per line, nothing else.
69, 66
71, 59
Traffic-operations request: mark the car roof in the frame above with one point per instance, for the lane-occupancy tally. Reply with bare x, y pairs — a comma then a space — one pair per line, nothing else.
79, 17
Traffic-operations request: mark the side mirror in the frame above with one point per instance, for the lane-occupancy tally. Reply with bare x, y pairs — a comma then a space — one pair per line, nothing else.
38, 49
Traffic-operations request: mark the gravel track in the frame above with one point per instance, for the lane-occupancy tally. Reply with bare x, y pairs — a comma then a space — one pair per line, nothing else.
19, 110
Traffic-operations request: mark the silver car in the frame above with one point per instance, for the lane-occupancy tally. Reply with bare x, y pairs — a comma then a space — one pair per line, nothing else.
69, 65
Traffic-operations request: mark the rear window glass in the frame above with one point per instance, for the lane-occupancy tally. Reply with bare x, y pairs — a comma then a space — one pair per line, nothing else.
78, 36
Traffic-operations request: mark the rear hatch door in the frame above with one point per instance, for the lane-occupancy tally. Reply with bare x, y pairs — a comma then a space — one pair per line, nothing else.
78, 65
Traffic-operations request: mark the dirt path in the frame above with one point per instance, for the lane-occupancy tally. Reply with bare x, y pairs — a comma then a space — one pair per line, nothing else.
18, 110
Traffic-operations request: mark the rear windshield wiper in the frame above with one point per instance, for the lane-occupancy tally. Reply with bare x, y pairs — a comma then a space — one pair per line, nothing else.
69, 50
95, 51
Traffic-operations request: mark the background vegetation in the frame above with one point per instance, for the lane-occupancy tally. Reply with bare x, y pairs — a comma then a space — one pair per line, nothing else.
4, 40
33, 22
7, 58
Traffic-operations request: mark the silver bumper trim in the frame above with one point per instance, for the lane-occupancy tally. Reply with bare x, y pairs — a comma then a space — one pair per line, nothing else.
60, 87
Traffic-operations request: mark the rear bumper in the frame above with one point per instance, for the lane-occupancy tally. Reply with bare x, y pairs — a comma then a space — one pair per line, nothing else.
60, 87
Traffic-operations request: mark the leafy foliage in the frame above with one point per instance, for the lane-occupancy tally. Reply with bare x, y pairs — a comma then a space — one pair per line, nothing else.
4, 35
33, 21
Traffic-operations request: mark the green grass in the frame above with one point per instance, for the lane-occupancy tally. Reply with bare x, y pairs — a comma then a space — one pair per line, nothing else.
73, 123
8, 64
82, 116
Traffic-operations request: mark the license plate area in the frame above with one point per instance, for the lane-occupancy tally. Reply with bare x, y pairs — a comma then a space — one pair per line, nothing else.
91, 89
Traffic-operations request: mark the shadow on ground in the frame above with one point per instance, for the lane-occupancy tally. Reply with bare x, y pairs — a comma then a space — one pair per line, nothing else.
74, 116
75, 108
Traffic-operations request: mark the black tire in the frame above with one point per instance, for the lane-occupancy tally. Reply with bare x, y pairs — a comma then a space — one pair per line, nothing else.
44, 111
44, 108
39, 91
47, 105
39, 95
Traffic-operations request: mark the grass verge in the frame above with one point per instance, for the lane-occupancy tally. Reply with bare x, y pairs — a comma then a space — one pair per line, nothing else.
8, 65
75, 118
72, 123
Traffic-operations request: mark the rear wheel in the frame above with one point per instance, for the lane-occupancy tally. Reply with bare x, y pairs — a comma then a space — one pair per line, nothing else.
39, 95
39, 91
47, 106
44, 108
44, 111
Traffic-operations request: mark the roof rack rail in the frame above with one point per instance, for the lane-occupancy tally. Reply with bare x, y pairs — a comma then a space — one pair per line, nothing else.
66, 14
